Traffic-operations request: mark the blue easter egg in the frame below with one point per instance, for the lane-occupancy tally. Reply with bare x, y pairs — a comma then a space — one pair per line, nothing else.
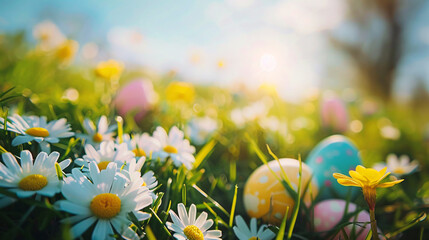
335, 154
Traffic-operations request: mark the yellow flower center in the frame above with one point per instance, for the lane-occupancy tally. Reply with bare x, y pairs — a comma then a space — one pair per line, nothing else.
170, 149
103, 165
37, 132
138, 152
254, 238
97, 138
105, 205
33, 182
144, 184
192, 232
399, 170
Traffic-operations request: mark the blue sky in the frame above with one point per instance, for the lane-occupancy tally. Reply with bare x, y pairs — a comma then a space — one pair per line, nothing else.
192, 36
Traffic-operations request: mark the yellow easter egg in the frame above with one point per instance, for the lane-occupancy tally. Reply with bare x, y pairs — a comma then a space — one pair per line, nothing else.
265, 196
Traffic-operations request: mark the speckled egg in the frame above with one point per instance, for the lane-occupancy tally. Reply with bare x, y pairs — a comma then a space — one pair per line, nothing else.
335, 154
263, 190
328, 214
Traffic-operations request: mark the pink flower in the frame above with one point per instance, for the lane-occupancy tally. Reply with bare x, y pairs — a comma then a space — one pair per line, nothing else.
334, 114
137, 97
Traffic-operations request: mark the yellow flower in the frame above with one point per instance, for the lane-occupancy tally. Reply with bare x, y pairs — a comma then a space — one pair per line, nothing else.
268, 88
368, 179
221, 64
66, 51
180, 91
109, 70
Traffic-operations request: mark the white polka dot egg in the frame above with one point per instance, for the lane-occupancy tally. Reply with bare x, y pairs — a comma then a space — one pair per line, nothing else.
265, 196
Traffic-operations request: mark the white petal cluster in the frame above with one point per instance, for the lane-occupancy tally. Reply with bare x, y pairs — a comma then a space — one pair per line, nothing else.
181, 222
80, 191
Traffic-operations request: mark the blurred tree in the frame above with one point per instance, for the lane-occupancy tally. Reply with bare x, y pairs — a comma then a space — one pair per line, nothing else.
373, 38
420, 96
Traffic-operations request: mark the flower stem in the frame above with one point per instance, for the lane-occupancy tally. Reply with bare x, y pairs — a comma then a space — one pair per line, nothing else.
373, 225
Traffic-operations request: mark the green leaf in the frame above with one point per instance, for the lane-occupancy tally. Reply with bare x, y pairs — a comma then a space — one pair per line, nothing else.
420, 218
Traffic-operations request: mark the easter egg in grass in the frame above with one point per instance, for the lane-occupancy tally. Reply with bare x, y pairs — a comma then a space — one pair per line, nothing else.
265, 196
335, 154
328, 219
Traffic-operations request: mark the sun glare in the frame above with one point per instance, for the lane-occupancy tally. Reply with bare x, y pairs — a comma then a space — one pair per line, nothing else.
268, 62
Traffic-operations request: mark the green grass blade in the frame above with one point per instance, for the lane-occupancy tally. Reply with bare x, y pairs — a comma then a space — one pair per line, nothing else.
59, 171
204, 152
2, 150
297, 202
285, 178
234, 202
256, 149
120, 122
6, 92
422, 216
160, 221
136, 222
232, 170
211, 199
72, 143
369, 235
282, 228
149, 233
184, 194
218, 219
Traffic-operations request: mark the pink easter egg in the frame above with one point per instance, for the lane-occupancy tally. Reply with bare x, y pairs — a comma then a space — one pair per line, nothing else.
328, 214
334, 114
138, 96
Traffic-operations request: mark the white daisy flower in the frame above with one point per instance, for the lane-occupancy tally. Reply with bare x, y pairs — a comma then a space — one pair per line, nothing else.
245, 233
97, 134
188, 227
108, 152
31, 178
132, 171
106, 199
142, 145
200, 129
37, 129
48, 34
174, 146
398, 166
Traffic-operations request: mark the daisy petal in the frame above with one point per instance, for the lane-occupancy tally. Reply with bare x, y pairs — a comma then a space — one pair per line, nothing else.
11, 163
81, 227
103, 230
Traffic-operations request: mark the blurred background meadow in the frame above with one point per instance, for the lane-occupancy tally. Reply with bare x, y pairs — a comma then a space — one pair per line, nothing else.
230, 73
